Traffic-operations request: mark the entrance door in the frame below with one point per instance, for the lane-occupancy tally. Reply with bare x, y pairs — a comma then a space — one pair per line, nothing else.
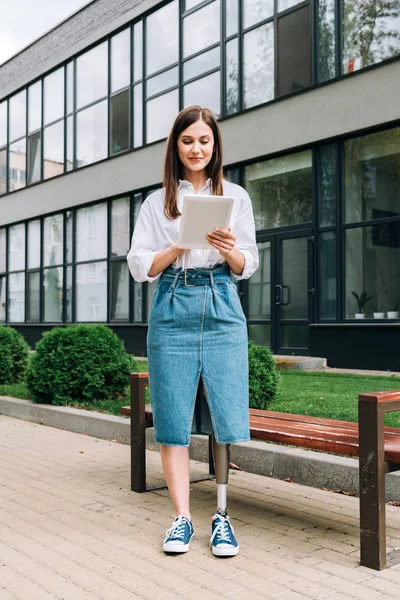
280, 298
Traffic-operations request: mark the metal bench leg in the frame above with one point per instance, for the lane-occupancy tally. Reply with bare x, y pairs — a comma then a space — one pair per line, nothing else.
373, 469
138, 436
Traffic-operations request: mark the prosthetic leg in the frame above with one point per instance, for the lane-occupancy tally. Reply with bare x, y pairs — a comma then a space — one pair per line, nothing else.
221, 454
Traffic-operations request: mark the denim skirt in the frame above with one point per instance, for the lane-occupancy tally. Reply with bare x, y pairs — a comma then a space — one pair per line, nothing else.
197, 340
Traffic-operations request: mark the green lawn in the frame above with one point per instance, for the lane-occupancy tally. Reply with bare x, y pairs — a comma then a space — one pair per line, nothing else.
331, 395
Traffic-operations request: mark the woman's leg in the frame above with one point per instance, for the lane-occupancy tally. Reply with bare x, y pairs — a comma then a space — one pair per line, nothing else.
175, 462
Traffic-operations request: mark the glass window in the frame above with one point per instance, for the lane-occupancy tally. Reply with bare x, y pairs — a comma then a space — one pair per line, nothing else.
34, 244
2, 299
327, 275
68, 295
53, 236
255, 11
260, 334
3, 171
137, 203
33, 297
372, 176
91, 292
52, 294
16, 248
3, 124
119, 123
70, 144
281, 190
53, 96
201, 29
192, 3
138, 51
201, 64
70, 87
372, 271
328, 184
34, 158
34, 106
119, 291
69, 241
120, 227
260, 285
232, 17
120, 60
53, 150
91, 232
294, 51
232, 77
162, 82
205, 91
91, 128
2, 250
371, 33
138, 115
258, 65
285, 4
326, 40
17, 115
137, 301
17, 165
161, 112
92, 75
16, 298
162, 28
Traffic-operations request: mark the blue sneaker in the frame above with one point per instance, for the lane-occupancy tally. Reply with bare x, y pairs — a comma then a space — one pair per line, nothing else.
178, 537
223, 541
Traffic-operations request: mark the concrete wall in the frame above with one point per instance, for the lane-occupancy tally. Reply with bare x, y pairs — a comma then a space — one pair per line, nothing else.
360, 101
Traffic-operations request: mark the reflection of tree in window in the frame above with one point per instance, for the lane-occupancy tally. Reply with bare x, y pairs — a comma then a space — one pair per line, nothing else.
326, 39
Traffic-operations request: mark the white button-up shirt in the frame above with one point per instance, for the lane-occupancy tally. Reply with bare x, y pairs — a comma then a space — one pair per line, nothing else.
155, 232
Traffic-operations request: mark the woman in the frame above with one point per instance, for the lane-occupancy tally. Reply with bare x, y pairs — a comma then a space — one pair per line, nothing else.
197, 330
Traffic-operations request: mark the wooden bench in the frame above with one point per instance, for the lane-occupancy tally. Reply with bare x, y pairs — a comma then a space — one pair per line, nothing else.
377, 446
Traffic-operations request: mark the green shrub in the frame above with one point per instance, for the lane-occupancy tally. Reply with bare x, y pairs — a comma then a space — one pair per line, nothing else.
264, 380
13, 355
79, 363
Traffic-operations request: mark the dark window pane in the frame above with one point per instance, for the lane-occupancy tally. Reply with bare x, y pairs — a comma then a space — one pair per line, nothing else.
372, 176
371, 32
17, 165
326, 39
53, 150
2, 250
328, 184
201, 29
294, 278
201, 64
138, 51
260, 333
372, 267
120, 60
258, 65
3, 171
232, 17
91, 127
3, 124
138, 115
119, 291
92, 75
53, 96
327, 276
33, 297
205, 91
70, 144
255, 11
91, 292
137, 203
232, 77
52, 295
120, 241
119, 123
2, 299
34, 157
34, 106
16, 298
162, 82
17, 115
281, 190
34, 244
161, 112
53, 237
70, 87
260, 285
162, 38
295, 336
294, 51
91, 232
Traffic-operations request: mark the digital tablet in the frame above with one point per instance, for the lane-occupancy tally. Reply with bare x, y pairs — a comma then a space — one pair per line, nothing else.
201, 214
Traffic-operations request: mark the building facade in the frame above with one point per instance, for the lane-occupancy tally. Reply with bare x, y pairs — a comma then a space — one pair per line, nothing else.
307, 93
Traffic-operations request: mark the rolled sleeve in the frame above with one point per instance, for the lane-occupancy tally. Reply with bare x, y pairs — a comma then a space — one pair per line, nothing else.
143, 248
245, 233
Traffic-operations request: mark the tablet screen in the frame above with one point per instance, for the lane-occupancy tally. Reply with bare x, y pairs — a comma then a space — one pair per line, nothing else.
201, 214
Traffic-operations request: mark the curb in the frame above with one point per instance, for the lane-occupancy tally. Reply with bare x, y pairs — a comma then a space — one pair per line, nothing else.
306, 467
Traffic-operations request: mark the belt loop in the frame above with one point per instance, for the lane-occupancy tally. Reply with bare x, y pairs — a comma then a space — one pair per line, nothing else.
175, 280
211, 279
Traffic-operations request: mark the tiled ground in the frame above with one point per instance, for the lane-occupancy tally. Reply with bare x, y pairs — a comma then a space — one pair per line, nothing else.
71, 529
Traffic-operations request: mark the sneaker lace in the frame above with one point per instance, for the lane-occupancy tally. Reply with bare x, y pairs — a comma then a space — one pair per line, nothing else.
222, 531
178, 528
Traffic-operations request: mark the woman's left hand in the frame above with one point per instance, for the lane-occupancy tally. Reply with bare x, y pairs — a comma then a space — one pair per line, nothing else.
222, 240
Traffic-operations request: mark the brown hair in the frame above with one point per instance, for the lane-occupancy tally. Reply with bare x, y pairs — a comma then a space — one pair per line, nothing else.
173, 165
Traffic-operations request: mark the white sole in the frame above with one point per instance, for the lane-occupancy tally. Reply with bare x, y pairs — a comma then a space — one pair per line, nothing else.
176, 548
223, 551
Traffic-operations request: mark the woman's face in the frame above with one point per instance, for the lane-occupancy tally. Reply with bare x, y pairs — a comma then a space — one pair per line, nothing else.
195, 146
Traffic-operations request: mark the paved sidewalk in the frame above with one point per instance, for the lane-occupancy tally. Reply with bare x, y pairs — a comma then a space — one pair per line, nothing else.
71, 529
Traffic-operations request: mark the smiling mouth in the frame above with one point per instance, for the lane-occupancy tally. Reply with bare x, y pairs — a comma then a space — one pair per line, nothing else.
195, 159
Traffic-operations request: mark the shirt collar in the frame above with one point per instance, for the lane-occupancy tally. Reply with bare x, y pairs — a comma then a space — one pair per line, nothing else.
184, 183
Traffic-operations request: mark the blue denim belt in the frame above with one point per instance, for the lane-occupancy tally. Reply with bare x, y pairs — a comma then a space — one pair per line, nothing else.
197, 276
